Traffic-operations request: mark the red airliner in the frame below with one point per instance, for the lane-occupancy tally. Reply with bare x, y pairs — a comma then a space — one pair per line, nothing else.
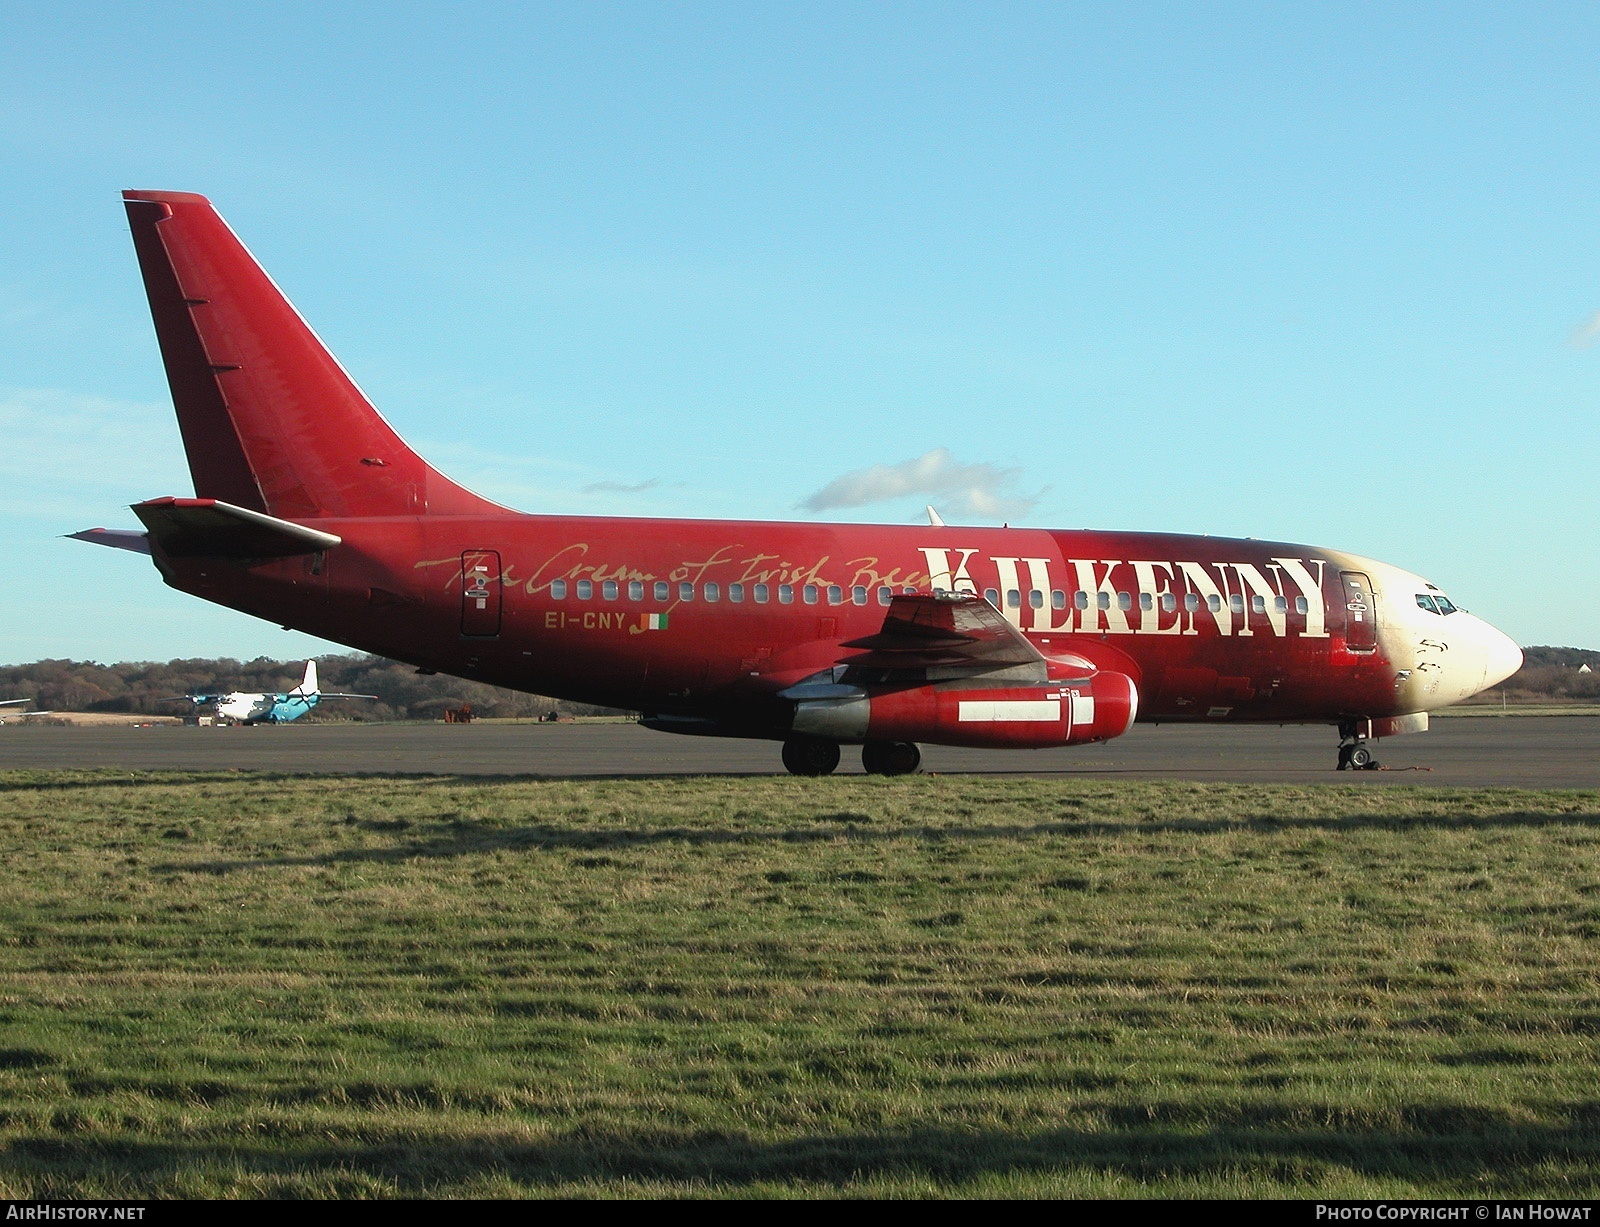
311, 512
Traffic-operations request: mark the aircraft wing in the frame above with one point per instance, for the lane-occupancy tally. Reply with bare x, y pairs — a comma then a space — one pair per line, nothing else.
943, 630
323, 694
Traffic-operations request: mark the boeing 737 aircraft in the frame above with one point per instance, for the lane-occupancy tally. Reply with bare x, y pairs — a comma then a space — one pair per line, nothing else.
239, 707
311, 512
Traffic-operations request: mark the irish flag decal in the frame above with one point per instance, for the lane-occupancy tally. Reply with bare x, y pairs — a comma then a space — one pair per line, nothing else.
653, 622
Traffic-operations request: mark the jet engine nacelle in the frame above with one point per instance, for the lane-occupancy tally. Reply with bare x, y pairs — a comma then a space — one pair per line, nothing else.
1031, 716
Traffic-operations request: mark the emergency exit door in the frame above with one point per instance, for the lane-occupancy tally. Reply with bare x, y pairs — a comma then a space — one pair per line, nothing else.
480, 594
1360, 612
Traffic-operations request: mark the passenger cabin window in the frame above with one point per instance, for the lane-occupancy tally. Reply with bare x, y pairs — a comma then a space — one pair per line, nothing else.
1013, 598
885, 596
786, 594
662, 590
1301, 606
1191, 602
558, 589
1058, 599
858, 594
1258, 603
686, 591
810, 593
1080, 599
713, 592
608, 589
736, 592
760, 593
1102, 600
1146, 602
835, 594
585, 590
1124, 600
1236, 602
1035, 598
992, 595
1281, 604
1214, 603
1169, 602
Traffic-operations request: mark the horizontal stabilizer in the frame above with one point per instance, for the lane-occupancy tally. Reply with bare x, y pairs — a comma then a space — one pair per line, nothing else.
210, 528
117, 538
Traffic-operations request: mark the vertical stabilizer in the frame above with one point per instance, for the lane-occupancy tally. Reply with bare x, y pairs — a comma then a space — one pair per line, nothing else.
270, 420
308, 684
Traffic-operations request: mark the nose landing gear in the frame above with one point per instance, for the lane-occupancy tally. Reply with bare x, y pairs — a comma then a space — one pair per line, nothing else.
1354, 753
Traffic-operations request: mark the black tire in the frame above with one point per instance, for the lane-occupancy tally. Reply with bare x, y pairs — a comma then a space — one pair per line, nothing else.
890, 757
810, 756
1361, 759
901, 758
872, 756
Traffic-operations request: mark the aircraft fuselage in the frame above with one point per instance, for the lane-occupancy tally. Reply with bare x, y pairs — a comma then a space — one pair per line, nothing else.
715, 618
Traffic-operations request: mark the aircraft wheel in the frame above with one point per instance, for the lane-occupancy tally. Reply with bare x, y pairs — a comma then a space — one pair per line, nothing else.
890, 757
1361, 759
810, 756
872, 757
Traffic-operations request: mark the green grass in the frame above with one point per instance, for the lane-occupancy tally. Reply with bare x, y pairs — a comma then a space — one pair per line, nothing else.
259, 985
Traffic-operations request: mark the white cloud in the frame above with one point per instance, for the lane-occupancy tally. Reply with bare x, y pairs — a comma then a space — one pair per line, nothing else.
966, 489
1586, 333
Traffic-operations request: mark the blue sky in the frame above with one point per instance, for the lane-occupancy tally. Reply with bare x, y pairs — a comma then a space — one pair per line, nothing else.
1322, 273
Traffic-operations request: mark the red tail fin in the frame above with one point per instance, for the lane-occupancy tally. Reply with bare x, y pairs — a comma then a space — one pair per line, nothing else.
270, 420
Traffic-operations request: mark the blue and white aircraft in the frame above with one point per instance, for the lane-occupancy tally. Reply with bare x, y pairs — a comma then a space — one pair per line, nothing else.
19, 715
238, 707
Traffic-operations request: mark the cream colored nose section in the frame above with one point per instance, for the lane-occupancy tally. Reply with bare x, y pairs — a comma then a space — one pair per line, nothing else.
1504, 657
1485, 657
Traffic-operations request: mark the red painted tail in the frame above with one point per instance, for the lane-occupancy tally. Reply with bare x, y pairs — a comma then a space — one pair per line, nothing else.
270, 420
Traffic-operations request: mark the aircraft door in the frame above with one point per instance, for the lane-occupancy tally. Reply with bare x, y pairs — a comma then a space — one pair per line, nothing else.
1361, 612
480, 594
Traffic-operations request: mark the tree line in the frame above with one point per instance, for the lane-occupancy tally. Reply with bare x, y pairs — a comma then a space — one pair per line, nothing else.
142, 686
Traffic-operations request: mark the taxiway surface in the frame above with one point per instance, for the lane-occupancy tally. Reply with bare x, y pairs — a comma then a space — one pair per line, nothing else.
1523, 752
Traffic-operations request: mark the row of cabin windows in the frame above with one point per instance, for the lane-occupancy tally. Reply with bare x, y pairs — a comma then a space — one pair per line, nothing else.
761, 594
811, 594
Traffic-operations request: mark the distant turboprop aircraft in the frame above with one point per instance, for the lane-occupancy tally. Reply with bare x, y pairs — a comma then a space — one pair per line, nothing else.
310, 511
20, 715
239, 707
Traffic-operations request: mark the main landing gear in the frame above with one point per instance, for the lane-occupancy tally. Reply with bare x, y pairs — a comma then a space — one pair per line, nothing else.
819, 756
890, 757
1354, 753
810, 755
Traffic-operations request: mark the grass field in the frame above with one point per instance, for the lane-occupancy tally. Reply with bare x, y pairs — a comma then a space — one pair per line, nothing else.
253, 985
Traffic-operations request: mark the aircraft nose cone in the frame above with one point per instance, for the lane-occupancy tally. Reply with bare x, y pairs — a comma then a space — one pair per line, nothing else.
1504, 658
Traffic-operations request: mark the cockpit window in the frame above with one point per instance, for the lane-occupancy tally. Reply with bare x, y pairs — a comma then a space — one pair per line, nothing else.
1424, 601
1443, 602
1438, 603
